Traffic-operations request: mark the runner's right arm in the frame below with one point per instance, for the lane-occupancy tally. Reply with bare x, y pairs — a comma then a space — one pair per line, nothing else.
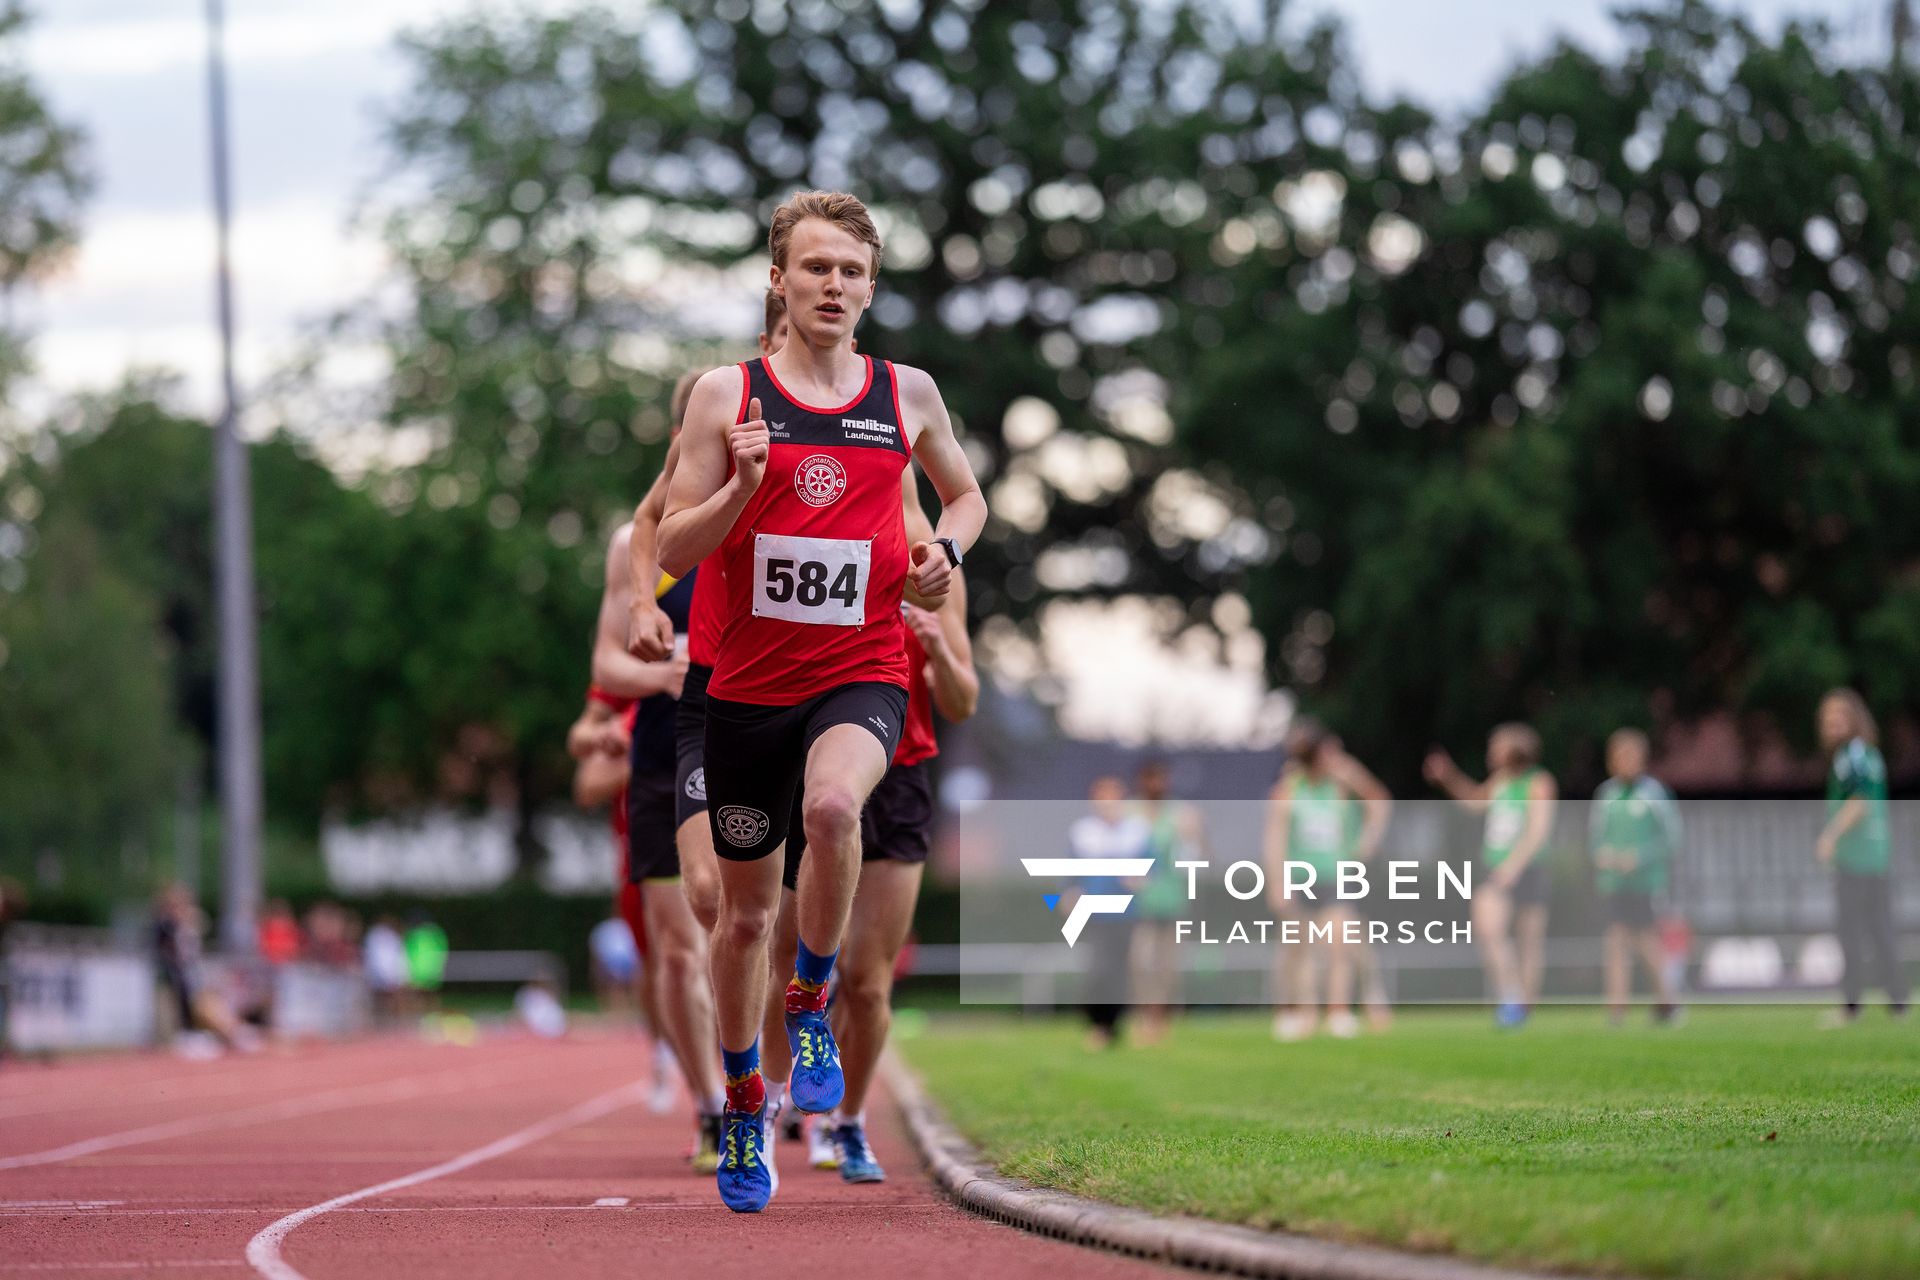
704, 500
614, 668
1443, 773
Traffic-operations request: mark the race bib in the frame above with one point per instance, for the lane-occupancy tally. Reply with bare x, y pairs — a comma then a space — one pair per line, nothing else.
822, 581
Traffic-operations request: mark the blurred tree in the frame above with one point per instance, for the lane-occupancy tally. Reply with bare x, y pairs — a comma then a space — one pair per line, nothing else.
87, 745
1609, 411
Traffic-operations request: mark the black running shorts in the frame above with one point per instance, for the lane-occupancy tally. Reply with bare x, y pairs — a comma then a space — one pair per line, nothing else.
690, 745
651, 851
896, 825
1629, 908
756, 757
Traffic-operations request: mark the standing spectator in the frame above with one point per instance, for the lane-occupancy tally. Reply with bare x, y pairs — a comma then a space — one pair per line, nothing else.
1634, 828
1855, 844
177, 927
1159, 901
1107, 832
279, 934
384, 960
1327, 808
426, 944
1511, 892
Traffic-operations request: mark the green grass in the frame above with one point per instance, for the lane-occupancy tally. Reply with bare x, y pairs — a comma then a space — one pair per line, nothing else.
1746, 1144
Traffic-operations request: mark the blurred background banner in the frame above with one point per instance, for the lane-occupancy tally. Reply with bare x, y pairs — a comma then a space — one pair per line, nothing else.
1422, 372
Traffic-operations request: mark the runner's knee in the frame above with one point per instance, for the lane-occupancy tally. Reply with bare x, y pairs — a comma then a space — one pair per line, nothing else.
868, 989
744, 924
832, 815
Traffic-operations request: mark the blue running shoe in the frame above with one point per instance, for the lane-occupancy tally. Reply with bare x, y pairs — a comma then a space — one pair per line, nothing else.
747, 1178
1510, 1014
817, 1084
856, 1157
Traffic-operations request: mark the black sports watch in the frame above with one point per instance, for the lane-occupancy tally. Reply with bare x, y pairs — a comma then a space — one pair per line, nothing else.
952, 549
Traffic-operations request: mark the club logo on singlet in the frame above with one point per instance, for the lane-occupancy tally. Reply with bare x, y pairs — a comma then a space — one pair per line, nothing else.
743, 827
697, 785
819, 480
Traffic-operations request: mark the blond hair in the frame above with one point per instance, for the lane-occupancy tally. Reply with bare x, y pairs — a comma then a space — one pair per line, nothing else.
842, 210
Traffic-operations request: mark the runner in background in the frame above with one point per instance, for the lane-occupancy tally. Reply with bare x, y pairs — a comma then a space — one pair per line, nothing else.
1511, 892
1327, 808
601, 743
1855, 843
1634, 829
1159, 900
675, 938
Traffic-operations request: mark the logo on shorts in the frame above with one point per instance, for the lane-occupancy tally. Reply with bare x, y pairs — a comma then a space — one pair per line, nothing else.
742, 827
697, 785
819, 480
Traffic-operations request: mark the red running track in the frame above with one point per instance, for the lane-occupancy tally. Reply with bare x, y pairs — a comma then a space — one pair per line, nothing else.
395, 1157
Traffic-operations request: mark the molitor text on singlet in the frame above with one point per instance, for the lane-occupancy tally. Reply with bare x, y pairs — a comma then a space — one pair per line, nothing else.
816, 562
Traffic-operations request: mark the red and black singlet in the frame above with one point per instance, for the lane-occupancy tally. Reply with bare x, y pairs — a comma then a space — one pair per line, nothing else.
816, 563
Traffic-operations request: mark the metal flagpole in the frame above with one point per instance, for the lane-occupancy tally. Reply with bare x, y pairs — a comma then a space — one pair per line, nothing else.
239, 687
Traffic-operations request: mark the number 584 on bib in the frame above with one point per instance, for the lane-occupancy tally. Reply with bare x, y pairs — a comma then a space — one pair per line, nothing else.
822, 581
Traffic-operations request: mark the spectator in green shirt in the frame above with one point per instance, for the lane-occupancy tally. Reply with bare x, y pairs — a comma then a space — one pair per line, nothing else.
1855, 843
1634, 828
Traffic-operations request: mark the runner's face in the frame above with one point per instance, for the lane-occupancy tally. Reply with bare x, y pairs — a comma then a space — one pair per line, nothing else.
1836, 723
827, 282
1626, 758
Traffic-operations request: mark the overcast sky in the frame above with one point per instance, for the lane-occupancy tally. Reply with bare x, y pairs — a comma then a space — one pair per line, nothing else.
307, 81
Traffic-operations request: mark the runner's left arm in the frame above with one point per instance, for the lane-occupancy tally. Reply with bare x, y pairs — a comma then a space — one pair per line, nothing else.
943, 634
963, 509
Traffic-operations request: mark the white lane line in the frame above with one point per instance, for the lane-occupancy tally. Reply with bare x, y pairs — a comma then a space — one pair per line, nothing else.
263, 1251
611, 1202
286, 1109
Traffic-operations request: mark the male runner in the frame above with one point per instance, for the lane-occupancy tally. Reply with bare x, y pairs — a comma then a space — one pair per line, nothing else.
802, 502
677, 943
